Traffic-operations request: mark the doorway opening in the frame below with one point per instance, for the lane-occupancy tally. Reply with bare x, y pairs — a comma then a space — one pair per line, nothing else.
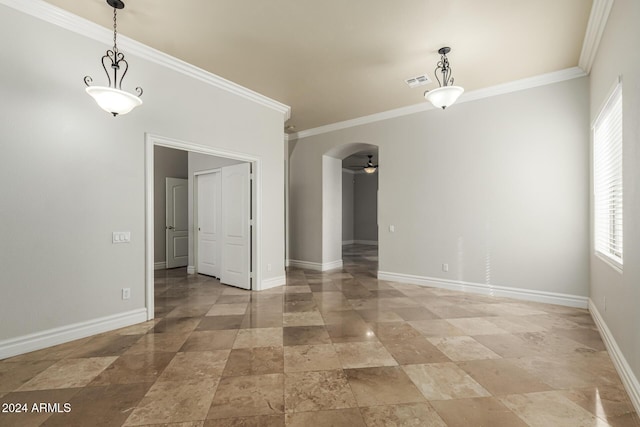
343, 209
360, 208
222, 189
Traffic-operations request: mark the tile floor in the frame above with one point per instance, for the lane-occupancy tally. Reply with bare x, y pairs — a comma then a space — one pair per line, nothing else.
329, 349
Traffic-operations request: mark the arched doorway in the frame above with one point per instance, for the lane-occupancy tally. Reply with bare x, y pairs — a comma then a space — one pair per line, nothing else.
333, 211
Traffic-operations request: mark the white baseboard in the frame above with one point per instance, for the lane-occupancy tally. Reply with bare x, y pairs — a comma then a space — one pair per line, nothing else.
479, 288
629, 379
315, 266
305, 265
160, 265
366, 242
360, 242
39, 340
273, 283
191, 269
332, 265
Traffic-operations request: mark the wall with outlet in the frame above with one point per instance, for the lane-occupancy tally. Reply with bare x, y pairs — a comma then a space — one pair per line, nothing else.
614, 293
62, 269
497, 188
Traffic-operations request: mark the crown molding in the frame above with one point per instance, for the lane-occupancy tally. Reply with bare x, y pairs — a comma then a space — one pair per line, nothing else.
62, 18
595, 28
501, 89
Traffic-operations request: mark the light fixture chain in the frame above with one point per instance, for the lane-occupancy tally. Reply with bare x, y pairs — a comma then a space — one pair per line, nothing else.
115, 30
112, 98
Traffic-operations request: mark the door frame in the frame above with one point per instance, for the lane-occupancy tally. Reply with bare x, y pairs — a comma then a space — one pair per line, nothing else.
151, 141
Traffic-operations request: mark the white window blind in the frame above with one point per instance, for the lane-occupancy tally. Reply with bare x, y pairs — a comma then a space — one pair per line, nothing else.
607, 179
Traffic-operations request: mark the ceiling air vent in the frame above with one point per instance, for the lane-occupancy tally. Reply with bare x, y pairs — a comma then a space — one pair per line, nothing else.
418, 81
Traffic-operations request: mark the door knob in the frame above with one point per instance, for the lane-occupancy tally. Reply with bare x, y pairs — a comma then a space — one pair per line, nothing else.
170, 227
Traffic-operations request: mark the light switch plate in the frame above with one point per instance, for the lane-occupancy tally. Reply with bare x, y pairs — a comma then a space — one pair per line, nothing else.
121, 237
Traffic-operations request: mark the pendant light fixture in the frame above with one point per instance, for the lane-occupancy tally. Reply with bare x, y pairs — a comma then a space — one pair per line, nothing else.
447, 93
370, 167
112, 98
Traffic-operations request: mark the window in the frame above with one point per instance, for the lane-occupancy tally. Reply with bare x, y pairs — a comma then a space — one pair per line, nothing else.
607, 179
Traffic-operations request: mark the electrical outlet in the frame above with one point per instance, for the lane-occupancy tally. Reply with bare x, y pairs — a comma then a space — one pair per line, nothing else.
445, 267
392, 228
126, 293
268, 267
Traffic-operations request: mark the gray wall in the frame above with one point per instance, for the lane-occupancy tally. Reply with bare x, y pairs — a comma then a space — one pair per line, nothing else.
167, 163
201, 162
77, 174
348, 186
366, 207
497, 188
618, 54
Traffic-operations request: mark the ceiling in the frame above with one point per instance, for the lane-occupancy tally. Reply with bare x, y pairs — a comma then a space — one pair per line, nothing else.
334, 60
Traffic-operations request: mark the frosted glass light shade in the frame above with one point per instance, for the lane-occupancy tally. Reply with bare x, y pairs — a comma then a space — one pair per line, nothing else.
112, 100
370, 169
444, 96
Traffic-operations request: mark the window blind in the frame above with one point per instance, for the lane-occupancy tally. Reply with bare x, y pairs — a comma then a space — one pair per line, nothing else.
607, 179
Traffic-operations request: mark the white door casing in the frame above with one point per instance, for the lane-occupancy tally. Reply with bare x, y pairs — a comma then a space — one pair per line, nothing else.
236, 227
208, 223
177, 223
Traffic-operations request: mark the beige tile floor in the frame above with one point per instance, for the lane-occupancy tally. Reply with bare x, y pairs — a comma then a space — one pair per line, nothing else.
338, 348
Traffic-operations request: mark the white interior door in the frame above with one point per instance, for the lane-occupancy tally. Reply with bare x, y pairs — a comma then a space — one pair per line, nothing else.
209, 223
177, 224
236, 229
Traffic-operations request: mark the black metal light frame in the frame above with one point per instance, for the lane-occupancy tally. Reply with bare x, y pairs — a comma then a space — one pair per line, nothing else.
113, 58
444, 68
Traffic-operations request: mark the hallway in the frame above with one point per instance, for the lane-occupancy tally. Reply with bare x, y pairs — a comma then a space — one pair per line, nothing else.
332, 348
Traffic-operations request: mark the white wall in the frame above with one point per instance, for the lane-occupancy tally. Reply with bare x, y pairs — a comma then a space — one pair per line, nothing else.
167, 163
497, 188
348, 185
618, 54
331, 204
201, 162
366, 207
77, 174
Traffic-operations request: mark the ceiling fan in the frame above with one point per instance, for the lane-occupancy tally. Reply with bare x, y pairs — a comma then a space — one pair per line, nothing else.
370, 167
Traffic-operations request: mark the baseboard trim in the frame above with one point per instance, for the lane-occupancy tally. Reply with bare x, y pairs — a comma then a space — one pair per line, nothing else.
479, 288
162, 265
305, 265
360, 242
366, 242
333, 265
191, 269
315, 266
274, 282
39, 340
629, 380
